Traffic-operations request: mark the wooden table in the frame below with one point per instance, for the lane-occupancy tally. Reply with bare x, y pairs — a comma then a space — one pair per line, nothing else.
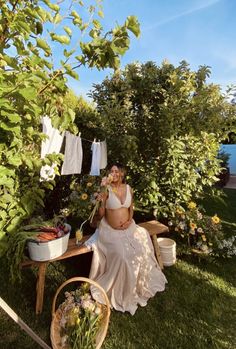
73, 250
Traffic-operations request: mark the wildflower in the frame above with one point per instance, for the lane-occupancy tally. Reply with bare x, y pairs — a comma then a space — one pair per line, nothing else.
204, 237
84, 196
192, 225
200, 230
89, 184
179, 211
215, 219
192, 205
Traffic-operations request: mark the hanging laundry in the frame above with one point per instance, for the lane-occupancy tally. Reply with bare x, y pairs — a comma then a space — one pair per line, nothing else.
103, 161
96, 159
73, 155
50, 145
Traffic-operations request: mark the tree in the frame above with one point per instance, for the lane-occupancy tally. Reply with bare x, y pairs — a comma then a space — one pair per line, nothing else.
32, 86
165, 123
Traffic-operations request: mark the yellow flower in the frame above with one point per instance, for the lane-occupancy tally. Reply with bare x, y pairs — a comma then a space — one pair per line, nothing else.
192, 205
89, 184
192, 225
215, 219
204, 237
78, 235
179, 211
84, 196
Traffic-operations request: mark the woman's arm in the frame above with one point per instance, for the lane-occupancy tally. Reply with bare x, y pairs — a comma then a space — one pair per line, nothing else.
131, 208
102, 197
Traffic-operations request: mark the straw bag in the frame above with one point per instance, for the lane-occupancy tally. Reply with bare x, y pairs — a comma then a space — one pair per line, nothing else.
56, 315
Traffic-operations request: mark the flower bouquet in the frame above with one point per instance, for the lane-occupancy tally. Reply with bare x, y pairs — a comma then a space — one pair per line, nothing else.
80, 322
103, 188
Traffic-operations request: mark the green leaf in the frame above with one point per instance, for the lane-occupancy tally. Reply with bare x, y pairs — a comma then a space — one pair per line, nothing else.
53, 7
68, 30
60, 38
28, 93
71, 72
75, 15
68, 53
133, 25
43, 45
57, 18
101, 14
15, 160
39, 28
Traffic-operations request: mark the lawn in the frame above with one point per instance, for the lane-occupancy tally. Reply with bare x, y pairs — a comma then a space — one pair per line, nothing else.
197, 309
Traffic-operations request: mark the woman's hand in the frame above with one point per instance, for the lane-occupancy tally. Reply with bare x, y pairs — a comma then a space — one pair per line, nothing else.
125, 225
101, 197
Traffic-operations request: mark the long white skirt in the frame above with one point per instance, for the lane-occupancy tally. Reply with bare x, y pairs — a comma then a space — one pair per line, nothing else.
125, 266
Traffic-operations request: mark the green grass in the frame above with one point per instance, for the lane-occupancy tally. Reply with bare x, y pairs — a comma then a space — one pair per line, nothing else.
197, 309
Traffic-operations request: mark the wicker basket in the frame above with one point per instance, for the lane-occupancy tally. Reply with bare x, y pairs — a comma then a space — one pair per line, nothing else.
55, 324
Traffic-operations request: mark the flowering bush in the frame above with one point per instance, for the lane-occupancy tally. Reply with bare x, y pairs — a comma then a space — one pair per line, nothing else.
80, 319
199, 230
83, 196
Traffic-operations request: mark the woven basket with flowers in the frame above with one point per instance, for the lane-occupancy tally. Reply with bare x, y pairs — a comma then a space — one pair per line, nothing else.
80, 322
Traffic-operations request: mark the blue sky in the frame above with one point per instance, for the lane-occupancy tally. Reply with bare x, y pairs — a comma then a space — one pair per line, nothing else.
202, 32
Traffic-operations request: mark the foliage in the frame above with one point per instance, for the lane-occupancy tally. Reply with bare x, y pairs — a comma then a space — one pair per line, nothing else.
168, 122
80, 319
32, 85
197, 229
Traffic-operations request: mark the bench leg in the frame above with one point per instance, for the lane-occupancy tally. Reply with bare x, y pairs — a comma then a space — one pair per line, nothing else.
40, 287
157, 251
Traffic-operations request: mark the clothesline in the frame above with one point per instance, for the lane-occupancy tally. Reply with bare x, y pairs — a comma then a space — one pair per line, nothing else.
88, 140
73, 152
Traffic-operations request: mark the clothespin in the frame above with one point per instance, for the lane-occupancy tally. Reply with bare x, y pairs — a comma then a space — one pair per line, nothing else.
79, 134
94, 140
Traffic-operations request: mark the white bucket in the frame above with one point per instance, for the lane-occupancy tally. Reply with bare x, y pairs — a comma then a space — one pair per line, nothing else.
46, 250
167, 250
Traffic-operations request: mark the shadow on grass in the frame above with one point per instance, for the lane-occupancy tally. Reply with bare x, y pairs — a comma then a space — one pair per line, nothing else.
197, 310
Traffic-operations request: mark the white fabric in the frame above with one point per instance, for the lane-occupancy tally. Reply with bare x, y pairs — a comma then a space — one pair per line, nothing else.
73, 155
50, 145
103, 161
125, 266
96, 159
92, 240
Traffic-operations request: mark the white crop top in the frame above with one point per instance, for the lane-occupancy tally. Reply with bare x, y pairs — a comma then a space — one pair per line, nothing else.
113, 202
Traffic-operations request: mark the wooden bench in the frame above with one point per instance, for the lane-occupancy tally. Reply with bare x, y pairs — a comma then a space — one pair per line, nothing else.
72, 250
154, 227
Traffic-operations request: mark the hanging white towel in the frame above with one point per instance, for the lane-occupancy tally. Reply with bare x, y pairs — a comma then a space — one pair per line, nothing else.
96, 159
103, 161
50, 145
73, 155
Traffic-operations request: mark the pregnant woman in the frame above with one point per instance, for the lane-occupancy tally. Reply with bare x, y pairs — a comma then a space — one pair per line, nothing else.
123, 257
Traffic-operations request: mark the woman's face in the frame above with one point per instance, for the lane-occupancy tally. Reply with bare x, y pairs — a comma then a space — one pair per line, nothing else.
116, 174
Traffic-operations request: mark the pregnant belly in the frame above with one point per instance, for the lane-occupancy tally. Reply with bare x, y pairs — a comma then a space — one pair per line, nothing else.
115, 218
